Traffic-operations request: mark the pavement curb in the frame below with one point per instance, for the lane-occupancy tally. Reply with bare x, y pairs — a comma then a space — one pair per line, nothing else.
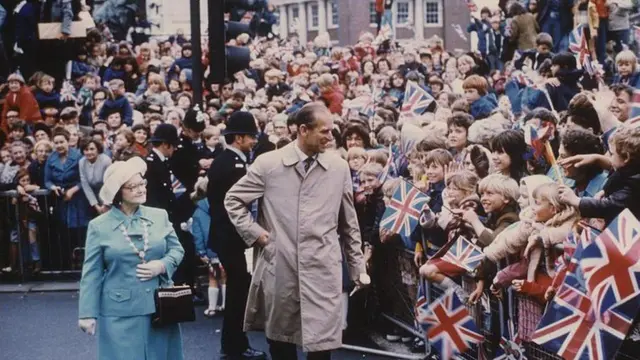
34, 287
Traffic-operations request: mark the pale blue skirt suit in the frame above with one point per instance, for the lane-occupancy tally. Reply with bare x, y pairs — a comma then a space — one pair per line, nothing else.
111, 292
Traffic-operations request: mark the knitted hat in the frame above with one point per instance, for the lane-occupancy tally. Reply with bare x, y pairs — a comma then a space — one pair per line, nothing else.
117, 174
16, 77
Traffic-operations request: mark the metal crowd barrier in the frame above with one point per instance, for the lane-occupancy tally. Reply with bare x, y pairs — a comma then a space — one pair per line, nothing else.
491, 317
60, 243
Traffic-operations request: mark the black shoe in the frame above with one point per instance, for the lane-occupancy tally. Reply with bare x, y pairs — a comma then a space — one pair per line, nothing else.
249, 354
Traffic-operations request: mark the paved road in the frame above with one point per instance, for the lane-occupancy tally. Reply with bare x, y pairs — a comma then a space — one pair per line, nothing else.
43, 326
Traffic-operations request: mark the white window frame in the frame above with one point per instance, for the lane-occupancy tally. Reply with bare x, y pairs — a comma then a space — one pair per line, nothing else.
372, 24
440, 13
410, 21
310, 7
330, 23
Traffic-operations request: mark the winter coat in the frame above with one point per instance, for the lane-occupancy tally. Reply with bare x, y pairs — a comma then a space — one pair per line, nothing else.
480, 28
496, 224
369, 220
26, 102
200, 229
295, 293
524, 29
52, 98
561, 95
513, 239
122, 104
632, 80
162, 99
111, 74
111, 293
483, 107
73, 213
622, 190
333, 98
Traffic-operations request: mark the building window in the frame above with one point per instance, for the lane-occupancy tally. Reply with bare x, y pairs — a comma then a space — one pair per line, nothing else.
433, 13
373, 16
295, 12
333, 13
403, 13
314, 16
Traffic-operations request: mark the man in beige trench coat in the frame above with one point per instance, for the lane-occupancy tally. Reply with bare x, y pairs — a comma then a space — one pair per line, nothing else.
306, 205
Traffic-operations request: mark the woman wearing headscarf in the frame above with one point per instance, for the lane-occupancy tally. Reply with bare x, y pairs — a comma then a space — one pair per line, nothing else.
131, 251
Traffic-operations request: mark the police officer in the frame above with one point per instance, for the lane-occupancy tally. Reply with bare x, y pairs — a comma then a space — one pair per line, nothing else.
225, 171
159, 185
185, 167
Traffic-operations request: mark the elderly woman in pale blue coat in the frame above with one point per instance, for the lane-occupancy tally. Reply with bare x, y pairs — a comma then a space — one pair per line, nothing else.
131, 250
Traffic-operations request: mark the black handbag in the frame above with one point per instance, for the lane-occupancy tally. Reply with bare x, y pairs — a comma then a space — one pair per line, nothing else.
173, 305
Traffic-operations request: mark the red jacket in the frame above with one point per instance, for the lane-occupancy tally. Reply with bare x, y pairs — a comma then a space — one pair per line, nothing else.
334, 99
26, 102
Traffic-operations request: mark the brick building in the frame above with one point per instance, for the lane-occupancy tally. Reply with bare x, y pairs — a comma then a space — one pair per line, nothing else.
344, 20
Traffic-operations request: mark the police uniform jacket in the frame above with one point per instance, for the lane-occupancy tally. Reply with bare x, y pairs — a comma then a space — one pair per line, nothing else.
224, 172
184, 165
159, 190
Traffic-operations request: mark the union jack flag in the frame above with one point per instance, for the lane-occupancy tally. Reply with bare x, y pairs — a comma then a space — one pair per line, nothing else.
573, 329
403, 212
416, 100
634, 110
510, 348
177, 186
364, 105
464, 254
578, 43
422, 305
450, 328
389, 169
611, 266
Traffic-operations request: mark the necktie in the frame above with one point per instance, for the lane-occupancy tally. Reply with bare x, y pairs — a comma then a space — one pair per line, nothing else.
307, 163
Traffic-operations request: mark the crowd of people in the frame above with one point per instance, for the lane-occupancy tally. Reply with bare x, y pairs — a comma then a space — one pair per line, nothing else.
470, 150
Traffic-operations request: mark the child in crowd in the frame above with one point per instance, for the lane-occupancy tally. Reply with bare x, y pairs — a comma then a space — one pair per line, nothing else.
622, 189
200, 231
498, 195
212, 147
552, 221
85, 94
117, 101
460, 193
627, 67
45, 92
476, 92
458, 130
434, 162
30, 209
356, 157
532, 59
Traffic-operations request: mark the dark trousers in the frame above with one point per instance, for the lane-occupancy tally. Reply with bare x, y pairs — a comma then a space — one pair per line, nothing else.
234, 340
287, 351
186, 271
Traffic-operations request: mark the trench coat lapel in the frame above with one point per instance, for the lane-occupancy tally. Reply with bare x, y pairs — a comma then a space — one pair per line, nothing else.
291, 158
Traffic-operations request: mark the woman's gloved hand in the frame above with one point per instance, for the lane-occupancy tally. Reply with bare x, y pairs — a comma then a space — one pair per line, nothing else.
88, 325
150, 270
